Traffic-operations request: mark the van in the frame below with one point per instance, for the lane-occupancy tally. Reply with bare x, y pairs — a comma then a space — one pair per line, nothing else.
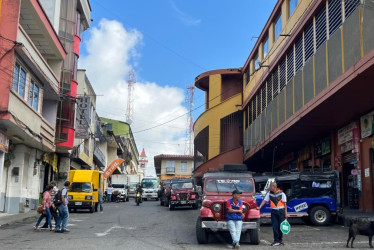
84, 189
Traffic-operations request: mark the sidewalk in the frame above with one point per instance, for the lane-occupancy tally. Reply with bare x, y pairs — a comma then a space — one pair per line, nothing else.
9, 219
349, 214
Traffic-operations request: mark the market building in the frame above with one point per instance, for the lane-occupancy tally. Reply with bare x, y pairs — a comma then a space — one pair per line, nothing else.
307, 87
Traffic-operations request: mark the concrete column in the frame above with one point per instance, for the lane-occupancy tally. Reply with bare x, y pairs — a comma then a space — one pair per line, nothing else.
2, 180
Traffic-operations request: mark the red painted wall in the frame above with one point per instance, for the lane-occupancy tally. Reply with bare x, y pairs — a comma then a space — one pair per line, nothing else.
9, 18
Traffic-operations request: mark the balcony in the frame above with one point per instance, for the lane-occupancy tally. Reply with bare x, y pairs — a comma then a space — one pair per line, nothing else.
99, 156
48, 134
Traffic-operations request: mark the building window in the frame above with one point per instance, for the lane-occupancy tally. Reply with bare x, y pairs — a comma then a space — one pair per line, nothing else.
292, 4
19, 80
257, 62
277, 26
183, 167
266, 47
170, 166
34, 95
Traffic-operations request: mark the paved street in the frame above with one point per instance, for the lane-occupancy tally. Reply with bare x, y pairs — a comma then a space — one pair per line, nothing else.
150, 226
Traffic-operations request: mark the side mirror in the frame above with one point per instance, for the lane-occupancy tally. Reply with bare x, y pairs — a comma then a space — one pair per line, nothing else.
95, 189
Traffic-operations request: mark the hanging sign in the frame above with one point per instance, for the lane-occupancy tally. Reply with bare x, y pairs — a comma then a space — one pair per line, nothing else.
345, 134
83, 117
4, 142
367, 125
113, 166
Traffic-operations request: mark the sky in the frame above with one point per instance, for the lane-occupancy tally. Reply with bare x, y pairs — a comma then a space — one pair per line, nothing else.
167, 43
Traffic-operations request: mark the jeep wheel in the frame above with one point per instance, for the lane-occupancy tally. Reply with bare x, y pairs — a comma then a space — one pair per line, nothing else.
254, 234
202, 235
319, 216
171, 206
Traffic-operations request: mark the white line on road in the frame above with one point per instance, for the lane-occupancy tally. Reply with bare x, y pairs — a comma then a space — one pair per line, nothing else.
108, 231
265, 241
317, 229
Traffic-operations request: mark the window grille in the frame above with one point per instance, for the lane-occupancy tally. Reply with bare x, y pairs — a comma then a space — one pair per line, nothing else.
282, 74
258, 104
308, 42
275, 82
290, 64
321, 28
350, 6
263, 97
252, 112
269, 90
335, 15
299, 54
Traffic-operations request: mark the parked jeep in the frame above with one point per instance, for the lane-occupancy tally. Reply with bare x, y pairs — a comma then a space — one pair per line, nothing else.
310, 196
182, 193
218, 187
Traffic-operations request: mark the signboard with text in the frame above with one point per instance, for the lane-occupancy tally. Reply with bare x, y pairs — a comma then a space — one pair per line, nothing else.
4, 142
83, 117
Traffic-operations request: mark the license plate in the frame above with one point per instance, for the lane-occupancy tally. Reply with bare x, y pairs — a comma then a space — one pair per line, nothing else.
183, 202
78, 203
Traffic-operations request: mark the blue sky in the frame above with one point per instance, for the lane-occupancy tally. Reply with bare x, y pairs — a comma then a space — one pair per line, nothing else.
167, 43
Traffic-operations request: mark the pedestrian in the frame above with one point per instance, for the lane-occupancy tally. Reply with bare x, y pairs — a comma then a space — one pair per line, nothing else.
278, 205
101, 200
46, 205
109, 191
53, 208
235, 217
63, 210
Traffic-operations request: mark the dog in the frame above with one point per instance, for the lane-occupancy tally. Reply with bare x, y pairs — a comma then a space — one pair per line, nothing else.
362, 228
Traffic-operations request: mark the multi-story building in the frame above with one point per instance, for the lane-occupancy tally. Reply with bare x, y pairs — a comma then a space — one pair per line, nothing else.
31, 55
70, 19
218, 137
127, 149
85, 128
307, 94
173, 166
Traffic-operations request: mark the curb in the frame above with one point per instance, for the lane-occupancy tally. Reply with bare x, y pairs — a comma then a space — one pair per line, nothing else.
26, 219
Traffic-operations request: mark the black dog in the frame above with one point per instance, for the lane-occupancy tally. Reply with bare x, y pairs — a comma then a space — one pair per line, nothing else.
362, 228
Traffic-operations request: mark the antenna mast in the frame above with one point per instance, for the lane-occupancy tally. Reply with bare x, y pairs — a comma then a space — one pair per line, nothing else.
130, 98
189, 131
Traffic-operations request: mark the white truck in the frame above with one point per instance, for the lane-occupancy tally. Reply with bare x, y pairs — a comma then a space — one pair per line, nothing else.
133, 180
120, 183
150, 188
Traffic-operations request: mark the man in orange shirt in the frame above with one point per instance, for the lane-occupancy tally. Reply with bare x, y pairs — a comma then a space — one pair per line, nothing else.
278, 205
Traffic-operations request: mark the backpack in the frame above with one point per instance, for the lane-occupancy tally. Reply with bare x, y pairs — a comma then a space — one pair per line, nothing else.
58, 199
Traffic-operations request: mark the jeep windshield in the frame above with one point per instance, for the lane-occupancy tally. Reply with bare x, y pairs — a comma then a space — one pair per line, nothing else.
181, 185
229, 185
82, 187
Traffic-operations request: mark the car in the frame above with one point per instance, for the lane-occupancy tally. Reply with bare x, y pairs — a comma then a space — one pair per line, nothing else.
310, 196
217, 189
182, 193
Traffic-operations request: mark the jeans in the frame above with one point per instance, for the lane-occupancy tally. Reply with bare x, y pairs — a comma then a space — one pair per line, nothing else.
46, 214
109, 197
101, 203
235, 228
63, 216
54, 215
277, 217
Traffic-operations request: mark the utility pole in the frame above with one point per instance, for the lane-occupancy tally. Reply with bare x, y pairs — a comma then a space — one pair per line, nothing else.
130, 98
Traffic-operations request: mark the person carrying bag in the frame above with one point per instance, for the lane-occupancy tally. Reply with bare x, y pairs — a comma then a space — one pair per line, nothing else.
44, 209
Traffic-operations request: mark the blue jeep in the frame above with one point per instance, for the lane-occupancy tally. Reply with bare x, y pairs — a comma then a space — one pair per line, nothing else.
311, 196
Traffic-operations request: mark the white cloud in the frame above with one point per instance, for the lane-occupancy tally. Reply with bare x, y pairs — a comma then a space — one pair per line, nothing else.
184, 17
111, 54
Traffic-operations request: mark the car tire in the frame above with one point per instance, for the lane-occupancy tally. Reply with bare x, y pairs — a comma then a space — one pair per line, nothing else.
161, 202
319, 216
127, 198
92, 209
171, 206
202, 235
96, 206
156, 199
195, 206
254, 234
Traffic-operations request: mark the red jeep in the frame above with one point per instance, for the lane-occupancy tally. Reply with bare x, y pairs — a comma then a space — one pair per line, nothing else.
218, 187
182, 193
